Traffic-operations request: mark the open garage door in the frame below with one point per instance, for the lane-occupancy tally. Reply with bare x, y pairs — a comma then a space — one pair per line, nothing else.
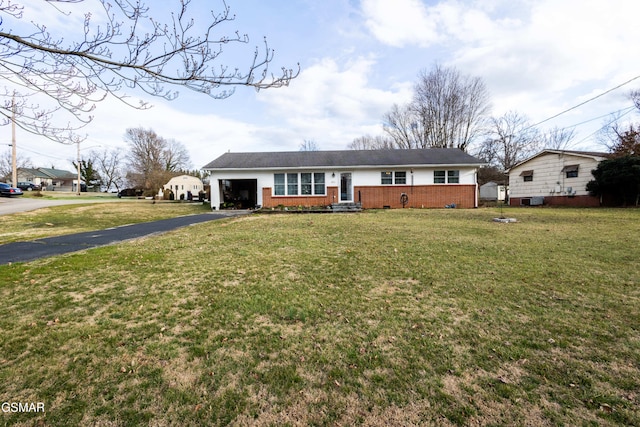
239, 193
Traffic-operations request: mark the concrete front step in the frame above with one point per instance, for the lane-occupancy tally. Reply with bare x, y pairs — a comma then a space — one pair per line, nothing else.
346, 207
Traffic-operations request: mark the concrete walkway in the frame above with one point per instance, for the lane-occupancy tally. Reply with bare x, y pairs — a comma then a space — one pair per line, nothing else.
51, 246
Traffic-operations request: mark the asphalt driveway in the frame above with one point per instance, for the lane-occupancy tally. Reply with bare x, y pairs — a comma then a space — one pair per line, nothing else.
50, 246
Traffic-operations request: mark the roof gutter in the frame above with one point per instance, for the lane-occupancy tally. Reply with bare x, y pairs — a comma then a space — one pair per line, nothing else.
279, 168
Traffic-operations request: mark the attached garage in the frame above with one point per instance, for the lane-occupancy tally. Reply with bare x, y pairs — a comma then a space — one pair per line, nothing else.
238, 193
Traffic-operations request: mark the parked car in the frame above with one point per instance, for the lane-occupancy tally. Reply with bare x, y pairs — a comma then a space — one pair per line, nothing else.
8, 191
130, 192
28, 186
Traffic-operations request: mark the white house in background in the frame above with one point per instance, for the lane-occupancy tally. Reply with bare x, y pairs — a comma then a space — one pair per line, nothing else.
183, 186
554, 177
370, 178
492, 191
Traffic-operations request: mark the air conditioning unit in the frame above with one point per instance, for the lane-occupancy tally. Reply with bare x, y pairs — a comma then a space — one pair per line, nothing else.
537, 201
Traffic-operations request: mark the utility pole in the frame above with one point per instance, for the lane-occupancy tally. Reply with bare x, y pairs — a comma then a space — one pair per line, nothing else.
78, 164
14, 163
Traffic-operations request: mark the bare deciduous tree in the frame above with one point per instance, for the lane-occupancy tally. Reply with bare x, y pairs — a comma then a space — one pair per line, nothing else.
369, 142
558, 139
6, 164
511, 141
448, 111
153, 160
309, 145
57, 74
402, 126
623, 141
608, 135
109, 163
634, 95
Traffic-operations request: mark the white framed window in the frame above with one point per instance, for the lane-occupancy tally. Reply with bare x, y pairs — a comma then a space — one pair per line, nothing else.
446, 177
386, 178
390, 177
292, 184
318, 184
527, 176
299, 184
305, 184
278, 184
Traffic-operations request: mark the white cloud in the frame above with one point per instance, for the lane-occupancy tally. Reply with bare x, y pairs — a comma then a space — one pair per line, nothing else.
333, 103
537, 57
206, 136
544, 44
400, 22
564, 53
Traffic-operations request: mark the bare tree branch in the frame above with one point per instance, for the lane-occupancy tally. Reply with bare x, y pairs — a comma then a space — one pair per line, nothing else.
309, 145
369, 142
512, 140
448, 110
558, 139
6, 164
153, 160
109, 163
122, 47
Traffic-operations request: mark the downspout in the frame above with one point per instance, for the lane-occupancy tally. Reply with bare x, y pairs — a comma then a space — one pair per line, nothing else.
412, 187
475, 178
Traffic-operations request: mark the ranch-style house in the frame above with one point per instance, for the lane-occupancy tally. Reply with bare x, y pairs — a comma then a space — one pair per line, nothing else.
418, 178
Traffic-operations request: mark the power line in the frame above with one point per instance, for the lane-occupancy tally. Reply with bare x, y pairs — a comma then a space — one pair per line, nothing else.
40, 153
607, 124
626, 111
585, 102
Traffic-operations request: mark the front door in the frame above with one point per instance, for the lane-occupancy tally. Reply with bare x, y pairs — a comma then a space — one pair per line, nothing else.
346, 187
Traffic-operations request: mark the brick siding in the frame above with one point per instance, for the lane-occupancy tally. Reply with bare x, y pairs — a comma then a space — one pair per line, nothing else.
575, 201
269, 201
427, 196
377, 197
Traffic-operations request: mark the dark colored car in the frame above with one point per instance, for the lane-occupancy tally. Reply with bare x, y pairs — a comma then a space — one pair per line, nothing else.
130, 192
8, 191
28, 186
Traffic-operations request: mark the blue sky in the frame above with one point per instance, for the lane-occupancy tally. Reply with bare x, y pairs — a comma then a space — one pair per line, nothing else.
359, 57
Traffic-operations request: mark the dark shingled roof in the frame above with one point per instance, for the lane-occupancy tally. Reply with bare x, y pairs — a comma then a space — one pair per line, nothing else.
343, 158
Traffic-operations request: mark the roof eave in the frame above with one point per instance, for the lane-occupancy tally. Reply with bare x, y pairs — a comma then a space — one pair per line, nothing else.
594, 156
360, 167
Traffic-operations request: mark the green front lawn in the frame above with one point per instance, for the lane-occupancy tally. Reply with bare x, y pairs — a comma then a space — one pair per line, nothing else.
398, 317
67, 219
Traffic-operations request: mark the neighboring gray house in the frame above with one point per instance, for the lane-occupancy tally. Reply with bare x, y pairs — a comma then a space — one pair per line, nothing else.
49, 178
554, 177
